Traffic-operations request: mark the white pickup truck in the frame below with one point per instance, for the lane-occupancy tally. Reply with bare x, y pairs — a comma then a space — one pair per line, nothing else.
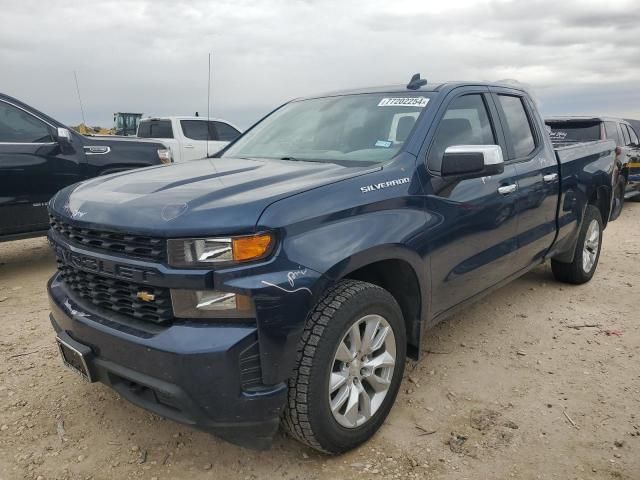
187, 137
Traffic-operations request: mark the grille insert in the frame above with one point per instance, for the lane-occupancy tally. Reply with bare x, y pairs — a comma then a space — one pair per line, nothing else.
250, 368
148, 248
118, 295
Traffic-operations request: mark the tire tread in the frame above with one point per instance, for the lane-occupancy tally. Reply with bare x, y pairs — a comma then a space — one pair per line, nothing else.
294, 418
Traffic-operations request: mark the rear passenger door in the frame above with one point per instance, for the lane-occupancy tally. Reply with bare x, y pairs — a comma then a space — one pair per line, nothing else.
195, 134
536, 175
474, 239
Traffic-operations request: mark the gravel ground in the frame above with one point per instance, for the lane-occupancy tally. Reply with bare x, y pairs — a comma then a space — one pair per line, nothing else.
513, 387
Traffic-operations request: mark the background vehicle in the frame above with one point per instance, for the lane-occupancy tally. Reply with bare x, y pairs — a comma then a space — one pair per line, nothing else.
187, 137
569, 130
39, 156
291, 275
125, 123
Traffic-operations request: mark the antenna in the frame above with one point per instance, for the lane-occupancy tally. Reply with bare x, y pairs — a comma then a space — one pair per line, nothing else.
416, 82
79, 98
208, 104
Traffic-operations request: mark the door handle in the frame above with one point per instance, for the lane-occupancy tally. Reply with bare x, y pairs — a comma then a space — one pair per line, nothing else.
188, 146
507, 189
551, 177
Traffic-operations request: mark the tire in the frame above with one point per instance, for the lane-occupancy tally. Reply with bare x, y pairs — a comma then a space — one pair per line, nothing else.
618, 199
587, 254
308, 415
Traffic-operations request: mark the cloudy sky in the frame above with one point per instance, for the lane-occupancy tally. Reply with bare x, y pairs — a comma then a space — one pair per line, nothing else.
578, 57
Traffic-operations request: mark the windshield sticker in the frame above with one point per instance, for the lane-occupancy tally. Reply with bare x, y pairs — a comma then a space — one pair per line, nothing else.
383, 143
404, 102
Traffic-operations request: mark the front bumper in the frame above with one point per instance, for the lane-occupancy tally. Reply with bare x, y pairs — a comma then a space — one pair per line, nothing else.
186, 373
194, 372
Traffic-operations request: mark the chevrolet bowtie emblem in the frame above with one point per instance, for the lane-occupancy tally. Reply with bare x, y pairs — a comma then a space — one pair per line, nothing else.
146, 296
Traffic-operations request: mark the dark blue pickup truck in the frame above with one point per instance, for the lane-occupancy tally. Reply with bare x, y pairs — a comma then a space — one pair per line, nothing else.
287, 279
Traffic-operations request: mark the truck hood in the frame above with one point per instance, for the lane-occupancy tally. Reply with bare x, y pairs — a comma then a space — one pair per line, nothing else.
203, 197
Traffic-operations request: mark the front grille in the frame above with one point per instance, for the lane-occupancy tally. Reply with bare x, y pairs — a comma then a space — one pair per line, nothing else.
118, 295
148, 248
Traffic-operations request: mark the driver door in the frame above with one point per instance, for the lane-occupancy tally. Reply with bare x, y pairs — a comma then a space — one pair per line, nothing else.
474, 238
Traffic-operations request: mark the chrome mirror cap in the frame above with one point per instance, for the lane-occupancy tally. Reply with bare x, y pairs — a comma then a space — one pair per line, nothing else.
64, 134
492, 154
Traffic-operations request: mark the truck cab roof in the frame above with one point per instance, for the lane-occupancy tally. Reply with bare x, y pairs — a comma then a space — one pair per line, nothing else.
428, 88
584, 118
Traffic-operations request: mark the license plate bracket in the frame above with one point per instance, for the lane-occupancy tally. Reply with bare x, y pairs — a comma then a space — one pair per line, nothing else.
75, 356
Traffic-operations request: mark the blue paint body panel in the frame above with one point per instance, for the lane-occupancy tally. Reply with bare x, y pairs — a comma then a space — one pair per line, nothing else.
458, 238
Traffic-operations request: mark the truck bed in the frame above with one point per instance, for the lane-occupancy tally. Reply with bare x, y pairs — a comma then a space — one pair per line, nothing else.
569, 152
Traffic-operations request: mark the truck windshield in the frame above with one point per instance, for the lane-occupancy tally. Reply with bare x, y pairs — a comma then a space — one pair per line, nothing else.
574, 131
368, 128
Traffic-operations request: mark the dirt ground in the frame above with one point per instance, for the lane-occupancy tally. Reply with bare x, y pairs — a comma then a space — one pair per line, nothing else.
514, 387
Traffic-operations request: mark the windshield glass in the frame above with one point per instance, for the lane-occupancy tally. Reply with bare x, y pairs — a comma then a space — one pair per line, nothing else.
367, 128
574, 131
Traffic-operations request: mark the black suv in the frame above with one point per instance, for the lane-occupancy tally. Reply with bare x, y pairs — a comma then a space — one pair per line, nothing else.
39, 156
568, 130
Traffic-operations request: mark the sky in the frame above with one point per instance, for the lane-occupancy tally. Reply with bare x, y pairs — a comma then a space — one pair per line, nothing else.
577, 57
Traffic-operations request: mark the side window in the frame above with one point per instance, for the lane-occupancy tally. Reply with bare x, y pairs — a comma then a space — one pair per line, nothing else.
18, 126
195, 129
465, 122
226, 132
634, 137
518, 125
155, 129
625, 134
612, 132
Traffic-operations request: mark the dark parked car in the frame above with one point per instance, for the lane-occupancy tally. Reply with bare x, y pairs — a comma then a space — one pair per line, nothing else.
569, 130
39, 156
290, 276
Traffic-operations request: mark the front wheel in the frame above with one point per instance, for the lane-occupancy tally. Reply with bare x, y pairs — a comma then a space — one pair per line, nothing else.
349, 368
585, 260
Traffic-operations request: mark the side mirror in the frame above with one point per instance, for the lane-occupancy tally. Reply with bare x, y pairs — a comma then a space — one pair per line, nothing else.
63, 135
472, 160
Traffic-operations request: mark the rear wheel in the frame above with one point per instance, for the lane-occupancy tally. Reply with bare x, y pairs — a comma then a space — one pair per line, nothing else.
585, 260
350, 365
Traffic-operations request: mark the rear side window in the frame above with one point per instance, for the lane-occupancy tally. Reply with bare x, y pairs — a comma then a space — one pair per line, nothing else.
18, 126
195, 129
625, 134
466, 122
612, 132
518, 125
155, 129
634, 137
226, 132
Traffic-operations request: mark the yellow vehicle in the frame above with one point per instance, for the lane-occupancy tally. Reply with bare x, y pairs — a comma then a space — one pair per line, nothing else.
125, 123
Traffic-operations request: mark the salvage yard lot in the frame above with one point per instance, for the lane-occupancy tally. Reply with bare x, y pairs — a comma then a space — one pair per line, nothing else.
539, 380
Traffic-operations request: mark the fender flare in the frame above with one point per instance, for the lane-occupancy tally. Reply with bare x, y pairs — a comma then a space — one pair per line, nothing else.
380, 253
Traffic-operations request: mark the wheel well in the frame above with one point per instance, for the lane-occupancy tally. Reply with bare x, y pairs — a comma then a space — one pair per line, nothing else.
601, 199
400, 280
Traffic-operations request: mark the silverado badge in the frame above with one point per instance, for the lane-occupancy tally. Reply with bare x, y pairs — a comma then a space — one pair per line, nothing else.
145, 296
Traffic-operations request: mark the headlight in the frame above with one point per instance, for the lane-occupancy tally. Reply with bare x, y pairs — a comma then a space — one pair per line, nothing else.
203, 252
210, 304
165, 155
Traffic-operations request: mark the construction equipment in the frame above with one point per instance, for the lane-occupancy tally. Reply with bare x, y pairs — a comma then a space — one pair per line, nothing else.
126, 123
